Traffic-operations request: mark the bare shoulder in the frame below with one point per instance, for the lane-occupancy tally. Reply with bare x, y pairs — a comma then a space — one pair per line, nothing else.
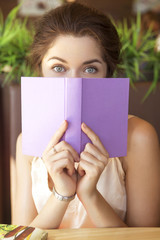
19, 154
140, 132
142, 140
142, 168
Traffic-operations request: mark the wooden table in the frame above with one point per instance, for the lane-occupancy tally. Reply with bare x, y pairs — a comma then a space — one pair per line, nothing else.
105, 233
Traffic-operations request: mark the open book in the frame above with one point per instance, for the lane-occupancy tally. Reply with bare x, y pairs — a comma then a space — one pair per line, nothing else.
101, 103
11, 232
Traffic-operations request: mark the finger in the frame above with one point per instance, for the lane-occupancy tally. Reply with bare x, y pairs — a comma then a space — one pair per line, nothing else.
93, 150
86, 167
93, 160
57, 136
50, 160
94, 138
59, 155
62, 146
59, 166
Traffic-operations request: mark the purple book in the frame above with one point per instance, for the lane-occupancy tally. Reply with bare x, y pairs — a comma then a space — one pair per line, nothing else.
102, 103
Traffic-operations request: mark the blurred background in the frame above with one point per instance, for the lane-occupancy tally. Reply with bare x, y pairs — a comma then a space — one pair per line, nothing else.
138, 24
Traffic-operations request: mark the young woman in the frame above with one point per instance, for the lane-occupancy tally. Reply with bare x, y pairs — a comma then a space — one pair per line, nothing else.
63, 189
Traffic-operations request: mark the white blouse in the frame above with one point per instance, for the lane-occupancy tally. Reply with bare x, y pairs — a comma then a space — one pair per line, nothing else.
111, 185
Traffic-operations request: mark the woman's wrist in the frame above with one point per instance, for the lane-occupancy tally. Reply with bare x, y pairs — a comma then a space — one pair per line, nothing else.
88, 196
61, 197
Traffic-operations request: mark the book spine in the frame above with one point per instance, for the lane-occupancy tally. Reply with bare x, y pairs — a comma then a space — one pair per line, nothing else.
72, 112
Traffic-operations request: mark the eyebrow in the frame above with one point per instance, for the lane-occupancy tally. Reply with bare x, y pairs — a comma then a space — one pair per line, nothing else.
85, 63
92, 61
57, 58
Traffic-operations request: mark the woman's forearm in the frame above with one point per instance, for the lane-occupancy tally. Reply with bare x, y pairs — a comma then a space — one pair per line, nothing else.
51, 215
100, 212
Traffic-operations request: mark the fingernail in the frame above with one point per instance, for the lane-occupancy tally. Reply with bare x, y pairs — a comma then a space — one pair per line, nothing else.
84, 125
77, 159
63, 122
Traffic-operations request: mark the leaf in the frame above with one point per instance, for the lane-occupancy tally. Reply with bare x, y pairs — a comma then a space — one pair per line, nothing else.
12, 15
15, 41
154, 83
136, 67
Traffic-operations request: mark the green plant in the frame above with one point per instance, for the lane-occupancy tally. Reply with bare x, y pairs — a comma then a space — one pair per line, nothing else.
15, 40
138, 53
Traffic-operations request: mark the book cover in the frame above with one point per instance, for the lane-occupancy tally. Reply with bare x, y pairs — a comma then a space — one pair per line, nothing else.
11, 232
102, 103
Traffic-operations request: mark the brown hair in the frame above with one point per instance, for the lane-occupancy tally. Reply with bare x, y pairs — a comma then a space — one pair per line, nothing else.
79, 20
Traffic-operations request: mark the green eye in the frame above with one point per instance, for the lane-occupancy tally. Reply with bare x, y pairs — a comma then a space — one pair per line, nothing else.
59, 69
91, 70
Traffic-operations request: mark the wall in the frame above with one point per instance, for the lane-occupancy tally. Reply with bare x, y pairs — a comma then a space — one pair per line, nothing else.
117, 9
5, 154
7, 5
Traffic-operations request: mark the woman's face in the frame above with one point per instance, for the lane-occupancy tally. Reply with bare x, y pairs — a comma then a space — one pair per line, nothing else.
74, 57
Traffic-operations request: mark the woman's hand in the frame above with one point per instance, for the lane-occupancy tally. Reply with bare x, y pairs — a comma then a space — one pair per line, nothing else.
59, 158
93, 160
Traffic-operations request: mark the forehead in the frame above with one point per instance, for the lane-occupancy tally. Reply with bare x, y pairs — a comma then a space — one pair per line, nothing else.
67, 46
